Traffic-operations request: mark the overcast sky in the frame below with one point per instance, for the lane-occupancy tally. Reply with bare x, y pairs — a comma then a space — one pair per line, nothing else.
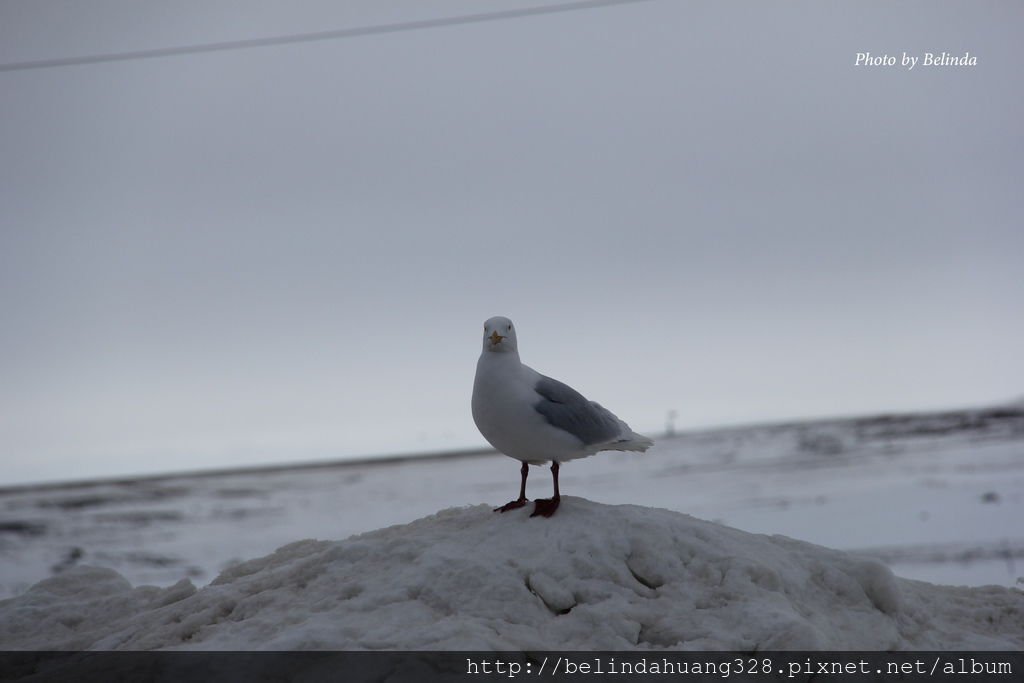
287, 253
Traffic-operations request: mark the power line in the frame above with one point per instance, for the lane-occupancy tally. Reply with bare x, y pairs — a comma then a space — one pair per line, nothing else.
312, 37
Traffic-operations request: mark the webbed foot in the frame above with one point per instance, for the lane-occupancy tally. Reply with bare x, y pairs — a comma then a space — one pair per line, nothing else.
512, 505
545, 507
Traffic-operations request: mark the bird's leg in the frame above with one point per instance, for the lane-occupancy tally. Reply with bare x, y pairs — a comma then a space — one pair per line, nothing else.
521, 501
545, 507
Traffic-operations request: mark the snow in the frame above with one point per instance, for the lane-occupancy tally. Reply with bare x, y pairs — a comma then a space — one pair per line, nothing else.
937, 497
594, 576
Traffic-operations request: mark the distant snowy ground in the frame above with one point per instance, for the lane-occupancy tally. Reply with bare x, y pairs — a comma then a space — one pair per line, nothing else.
936, 497
592, 577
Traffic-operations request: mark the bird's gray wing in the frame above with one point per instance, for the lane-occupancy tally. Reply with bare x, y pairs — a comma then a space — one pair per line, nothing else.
567, 409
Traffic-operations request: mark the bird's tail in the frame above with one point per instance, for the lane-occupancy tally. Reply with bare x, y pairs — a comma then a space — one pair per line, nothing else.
631, 442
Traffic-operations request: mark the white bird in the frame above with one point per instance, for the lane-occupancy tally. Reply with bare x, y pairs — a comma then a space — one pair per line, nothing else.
536, 419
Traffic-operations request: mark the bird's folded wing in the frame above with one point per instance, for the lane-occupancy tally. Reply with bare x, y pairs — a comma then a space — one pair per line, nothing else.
567, 409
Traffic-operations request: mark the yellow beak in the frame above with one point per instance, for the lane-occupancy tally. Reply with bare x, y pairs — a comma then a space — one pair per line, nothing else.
495, 337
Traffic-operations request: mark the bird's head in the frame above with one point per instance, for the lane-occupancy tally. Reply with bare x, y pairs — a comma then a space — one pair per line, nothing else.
499, 335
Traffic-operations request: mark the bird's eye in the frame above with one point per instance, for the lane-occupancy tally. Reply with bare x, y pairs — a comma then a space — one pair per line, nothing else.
509, 328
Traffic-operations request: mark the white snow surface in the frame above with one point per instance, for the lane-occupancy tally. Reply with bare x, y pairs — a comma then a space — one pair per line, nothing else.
938, 497
594, 576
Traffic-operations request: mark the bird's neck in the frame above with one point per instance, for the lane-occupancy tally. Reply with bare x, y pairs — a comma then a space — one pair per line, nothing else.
500, 359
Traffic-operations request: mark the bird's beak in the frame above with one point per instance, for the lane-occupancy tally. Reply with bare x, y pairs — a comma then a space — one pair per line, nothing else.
495, 338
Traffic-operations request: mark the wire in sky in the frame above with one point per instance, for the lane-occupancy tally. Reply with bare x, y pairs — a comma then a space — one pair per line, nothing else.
337, 34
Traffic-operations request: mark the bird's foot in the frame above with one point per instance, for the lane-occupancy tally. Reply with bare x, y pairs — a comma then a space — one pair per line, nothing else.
512, 505
545, 507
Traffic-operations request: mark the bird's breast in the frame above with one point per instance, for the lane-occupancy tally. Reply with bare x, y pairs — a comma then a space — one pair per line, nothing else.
500, 398
504, 412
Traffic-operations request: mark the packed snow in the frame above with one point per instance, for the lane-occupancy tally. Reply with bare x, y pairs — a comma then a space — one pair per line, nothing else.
593, 576
937, 497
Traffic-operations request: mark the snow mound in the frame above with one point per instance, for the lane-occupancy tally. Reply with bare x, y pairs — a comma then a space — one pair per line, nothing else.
592, 577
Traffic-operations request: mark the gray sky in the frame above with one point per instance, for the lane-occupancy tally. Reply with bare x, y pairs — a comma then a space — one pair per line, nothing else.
287, 253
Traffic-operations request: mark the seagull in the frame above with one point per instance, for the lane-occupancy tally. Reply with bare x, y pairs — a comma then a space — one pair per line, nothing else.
536, 419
